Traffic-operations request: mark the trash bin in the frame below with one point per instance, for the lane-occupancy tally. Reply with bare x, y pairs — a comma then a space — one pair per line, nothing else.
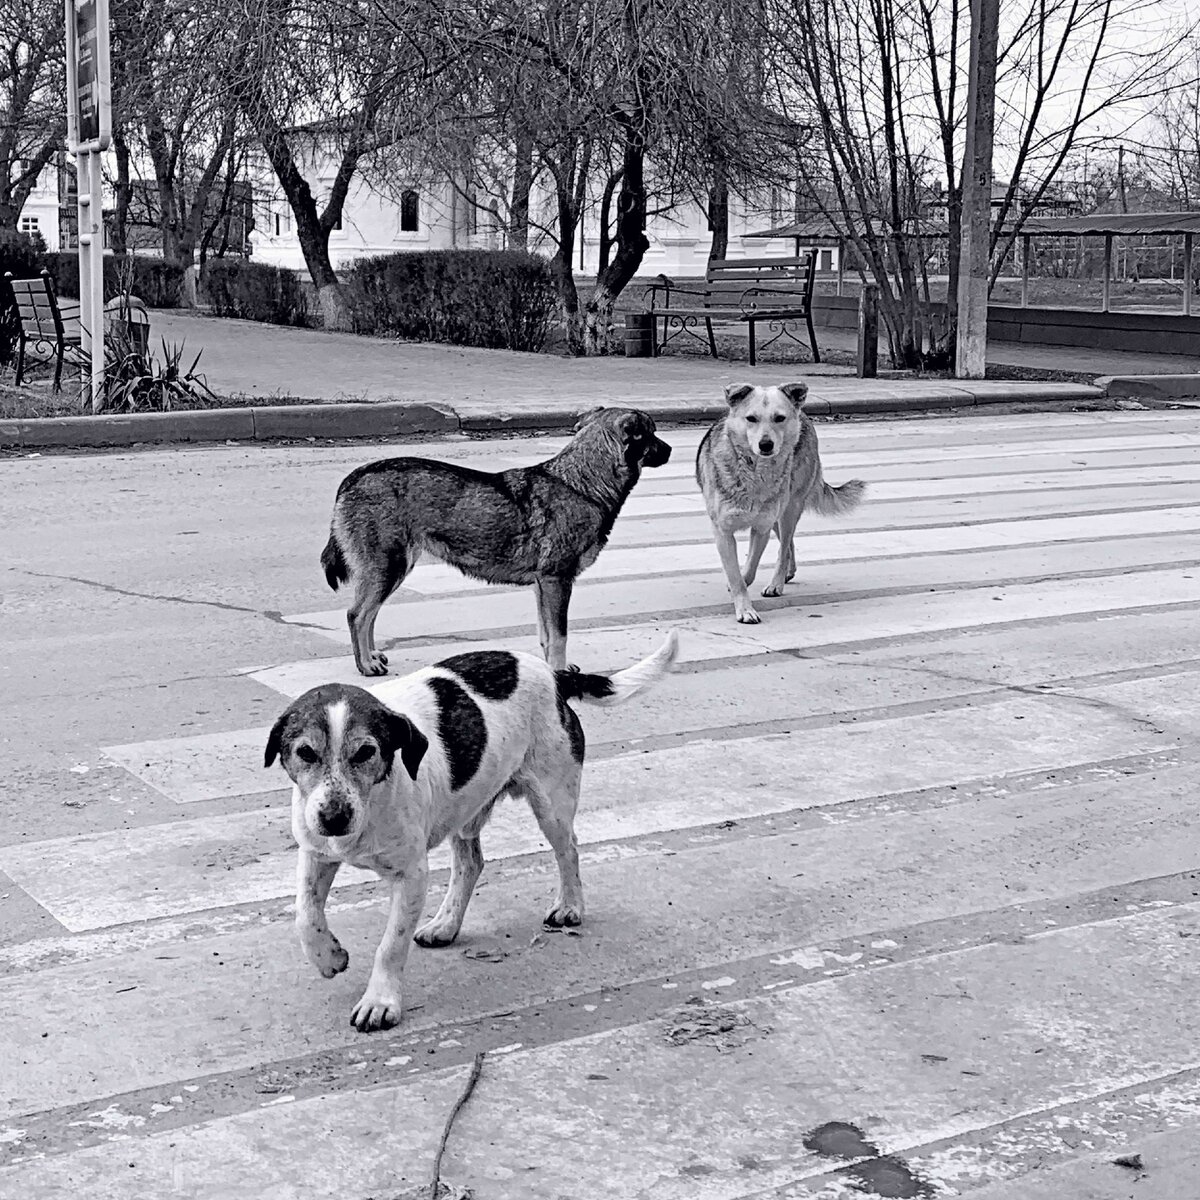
129, 314
639, 335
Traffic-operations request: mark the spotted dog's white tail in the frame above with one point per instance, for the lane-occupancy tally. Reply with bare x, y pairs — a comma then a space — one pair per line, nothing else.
612, 689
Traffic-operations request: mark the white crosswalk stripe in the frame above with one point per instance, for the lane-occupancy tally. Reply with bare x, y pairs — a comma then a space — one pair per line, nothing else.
1018, 606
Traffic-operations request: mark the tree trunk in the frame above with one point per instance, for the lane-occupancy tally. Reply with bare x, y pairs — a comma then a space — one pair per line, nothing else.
564, 273
718, 215
122, 194
312, 228
631, 240
518, 212
604, 250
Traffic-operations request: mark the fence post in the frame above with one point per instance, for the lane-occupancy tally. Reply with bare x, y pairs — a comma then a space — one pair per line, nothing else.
1106, 294
868, 331
1187, 274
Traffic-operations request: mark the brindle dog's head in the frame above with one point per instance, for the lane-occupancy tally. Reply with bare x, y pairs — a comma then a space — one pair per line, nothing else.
629, 428
338, 743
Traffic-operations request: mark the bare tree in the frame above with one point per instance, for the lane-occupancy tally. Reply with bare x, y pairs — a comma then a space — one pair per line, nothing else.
885, 86
32, 98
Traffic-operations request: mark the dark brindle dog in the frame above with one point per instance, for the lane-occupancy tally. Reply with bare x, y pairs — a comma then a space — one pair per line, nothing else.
540, 525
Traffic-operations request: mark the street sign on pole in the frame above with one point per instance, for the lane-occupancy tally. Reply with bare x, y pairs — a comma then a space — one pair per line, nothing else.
89, 134
93, 86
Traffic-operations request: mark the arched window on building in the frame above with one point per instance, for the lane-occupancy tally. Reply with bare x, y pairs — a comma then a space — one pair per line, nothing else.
409, 222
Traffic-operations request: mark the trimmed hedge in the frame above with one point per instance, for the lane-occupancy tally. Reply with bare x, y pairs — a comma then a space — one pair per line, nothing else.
254, 291
154, 281
497, 299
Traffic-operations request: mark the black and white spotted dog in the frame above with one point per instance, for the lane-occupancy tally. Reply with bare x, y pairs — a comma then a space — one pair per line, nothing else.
466, 732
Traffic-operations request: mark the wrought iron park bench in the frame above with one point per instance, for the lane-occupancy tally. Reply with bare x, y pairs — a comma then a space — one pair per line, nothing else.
777, 292
49, 330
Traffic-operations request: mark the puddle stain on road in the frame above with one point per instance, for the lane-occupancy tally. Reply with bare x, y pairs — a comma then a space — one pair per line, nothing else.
885, 1175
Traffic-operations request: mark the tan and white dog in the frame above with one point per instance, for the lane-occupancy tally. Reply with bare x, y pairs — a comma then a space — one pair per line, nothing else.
759, 469
380, 777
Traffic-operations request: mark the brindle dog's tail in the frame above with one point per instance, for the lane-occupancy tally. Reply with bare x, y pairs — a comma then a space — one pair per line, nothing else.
613, 689
834, 501
334, 562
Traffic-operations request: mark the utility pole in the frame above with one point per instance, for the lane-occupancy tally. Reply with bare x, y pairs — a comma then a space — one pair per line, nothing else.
971, 344
1121, 178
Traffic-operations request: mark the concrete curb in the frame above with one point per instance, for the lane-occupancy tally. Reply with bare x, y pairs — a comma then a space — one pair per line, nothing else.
1151, 387
233, 424
401, 419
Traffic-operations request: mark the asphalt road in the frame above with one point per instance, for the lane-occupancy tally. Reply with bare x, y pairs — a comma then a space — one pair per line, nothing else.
896, 891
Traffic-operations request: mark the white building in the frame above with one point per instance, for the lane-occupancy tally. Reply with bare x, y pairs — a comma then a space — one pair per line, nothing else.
41, 212
429, 213
426, 212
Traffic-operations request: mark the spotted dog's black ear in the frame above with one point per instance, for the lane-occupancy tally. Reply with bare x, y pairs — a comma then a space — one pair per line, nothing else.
275, 738
400, 736
795, 392
736, 392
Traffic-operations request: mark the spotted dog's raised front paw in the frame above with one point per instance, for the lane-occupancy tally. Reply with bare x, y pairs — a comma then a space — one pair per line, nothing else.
325, 953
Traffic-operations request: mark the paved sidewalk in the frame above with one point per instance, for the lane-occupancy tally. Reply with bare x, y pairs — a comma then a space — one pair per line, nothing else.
260, 361
353, 387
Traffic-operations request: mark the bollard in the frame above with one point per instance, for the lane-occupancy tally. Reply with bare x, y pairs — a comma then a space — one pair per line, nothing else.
868, 332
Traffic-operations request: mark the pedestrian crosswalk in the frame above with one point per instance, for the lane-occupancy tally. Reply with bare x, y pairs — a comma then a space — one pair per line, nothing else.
979, 691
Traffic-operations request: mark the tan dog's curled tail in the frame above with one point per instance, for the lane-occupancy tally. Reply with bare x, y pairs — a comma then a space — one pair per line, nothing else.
607, 690
834, 501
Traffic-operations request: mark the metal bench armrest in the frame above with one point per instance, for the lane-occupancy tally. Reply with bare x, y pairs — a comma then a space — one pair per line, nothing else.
749, 307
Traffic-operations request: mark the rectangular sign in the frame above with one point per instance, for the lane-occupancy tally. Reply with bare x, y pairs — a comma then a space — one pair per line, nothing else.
92, 79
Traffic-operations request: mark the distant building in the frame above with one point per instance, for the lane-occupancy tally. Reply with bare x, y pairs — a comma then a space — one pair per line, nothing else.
50, 211
427, 211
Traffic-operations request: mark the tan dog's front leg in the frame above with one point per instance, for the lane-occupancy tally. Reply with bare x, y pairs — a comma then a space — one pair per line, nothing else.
314, 878
381, 1003
785, 568
754, 553
727, 549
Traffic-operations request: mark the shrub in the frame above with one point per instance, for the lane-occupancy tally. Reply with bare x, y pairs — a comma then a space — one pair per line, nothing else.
21, 256
134, 380
153, 279
254, 291
499, 299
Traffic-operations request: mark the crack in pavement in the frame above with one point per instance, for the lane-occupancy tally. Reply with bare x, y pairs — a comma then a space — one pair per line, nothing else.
272, 615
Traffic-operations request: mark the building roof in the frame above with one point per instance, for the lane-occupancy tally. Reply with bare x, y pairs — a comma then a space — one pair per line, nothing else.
818, 229
810, 229
1125, 224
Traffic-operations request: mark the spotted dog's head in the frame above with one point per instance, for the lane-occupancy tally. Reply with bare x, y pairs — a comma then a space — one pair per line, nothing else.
767, 419
629, 428
337, 743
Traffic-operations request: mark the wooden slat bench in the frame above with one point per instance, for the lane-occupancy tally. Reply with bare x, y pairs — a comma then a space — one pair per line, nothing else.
51, 329
774, 291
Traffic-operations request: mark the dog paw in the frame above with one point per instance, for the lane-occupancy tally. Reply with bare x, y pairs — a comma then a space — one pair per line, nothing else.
376, 1010
564, 915
327, 955
773, 589
376, 664
433, 935
747, 616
